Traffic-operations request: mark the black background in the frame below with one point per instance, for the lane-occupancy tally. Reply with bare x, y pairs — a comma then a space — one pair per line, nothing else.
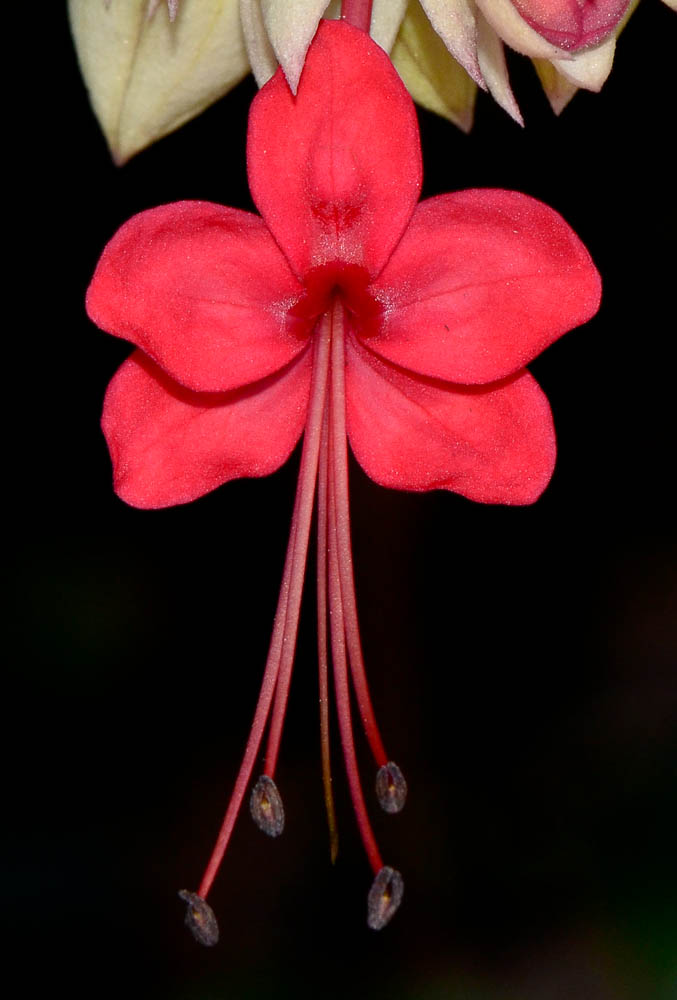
522, 661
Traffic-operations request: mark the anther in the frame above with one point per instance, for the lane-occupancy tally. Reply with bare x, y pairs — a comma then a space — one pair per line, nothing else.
200, 919
384, 898
391, 788
266, 806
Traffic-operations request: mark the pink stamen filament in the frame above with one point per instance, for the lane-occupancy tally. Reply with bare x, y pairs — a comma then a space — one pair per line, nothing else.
322, 638
336, 616
345, 561
287, 614
324, 451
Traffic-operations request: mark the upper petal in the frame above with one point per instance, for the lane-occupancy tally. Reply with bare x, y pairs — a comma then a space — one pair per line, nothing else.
493, 444
481, 282
336, 170
202, 289
170, 445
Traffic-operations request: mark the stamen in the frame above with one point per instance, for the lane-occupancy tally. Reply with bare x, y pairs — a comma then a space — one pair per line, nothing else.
384, 898
391, 788
336, 616
288, 605
300, 532
322, 650
357, 668
200, 919
265, 805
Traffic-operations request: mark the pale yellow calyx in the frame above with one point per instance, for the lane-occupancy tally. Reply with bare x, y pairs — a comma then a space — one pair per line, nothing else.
494, 69
146, 76
588, 68
432, 76
279, 32
558, 89
455, 21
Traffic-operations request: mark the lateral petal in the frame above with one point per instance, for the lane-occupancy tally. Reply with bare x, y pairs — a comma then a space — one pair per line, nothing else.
170, 445
493, 444
481, 282
203, 290
336, 171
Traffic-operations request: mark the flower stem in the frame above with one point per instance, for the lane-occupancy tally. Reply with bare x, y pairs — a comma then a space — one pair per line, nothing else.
287, 613
357, 13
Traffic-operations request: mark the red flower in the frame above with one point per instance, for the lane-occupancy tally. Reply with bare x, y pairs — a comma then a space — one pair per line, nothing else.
345, 310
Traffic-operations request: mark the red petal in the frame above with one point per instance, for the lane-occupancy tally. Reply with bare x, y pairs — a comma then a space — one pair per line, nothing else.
170, 445
494, 444
203, 290
336, 170
480, 283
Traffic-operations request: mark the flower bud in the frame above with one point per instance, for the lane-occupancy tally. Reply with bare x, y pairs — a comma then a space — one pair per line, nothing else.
572, 24
147, 75
265, 805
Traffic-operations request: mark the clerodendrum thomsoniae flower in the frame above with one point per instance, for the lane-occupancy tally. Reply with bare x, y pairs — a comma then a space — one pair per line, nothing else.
345, 312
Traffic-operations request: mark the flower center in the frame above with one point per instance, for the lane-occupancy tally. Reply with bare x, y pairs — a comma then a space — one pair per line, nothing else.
339, 280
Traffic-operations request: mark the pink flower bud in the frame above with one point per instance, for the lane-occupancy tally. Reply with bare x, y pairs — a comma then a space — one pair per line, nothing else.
572, 24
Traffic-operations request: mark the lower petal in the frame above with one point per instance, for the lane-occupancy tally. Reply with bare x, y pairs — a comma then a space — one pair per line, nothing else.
170, 445
493, 443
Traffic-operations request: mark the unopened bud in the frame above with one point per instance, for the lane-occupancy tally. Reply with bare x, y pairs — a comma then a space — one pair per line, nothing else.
570, 24
266, 806
147, 75
384, 898
200, 919
391, 788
